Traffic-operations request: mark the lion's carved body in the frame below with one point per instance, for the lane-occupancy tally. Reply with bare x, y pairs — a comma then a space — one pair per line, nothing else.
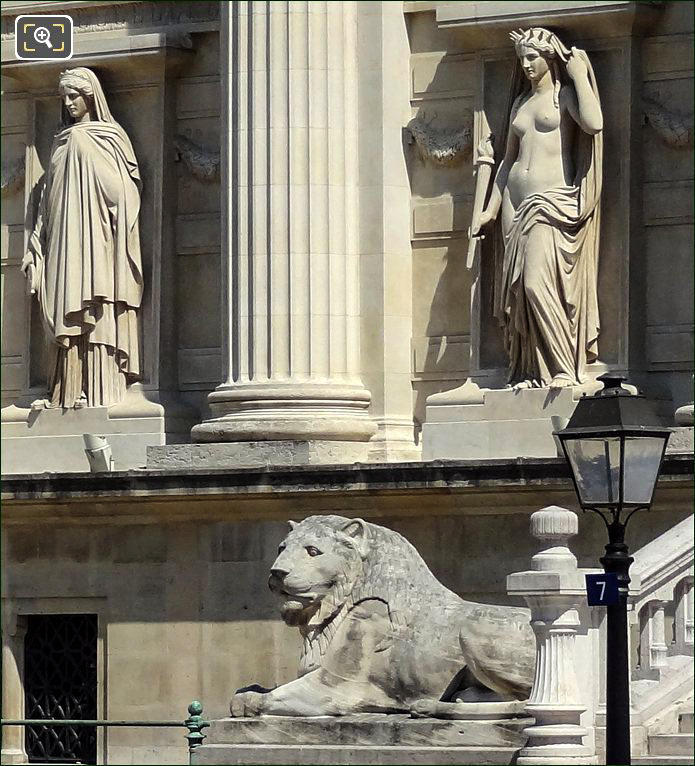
380, 631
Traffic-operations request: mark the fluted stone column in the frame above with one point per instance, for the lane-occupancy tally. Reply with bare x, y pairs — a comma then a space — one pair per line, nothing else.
13, 632
289, 250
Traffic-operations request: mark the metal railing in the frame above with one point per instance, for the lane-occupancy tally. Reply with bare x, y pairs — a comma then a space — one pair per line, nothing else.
195, 724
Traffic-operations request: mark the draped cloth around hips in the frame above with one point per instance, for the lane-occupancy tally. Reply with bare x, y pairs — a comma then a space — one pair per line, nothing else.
546, 289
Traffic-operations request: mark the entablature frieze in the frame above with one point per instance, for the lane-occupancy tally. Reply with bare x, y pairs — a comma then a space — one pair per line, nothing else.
114, 15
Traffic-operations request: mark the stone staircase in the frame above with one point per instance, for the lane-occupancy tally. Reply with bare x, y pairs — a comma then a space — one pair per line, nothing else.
662, 686
675, 748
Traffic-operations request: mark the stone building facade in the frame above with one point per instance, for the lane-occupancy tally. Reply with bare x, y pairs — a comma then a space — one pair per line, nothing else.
307, 186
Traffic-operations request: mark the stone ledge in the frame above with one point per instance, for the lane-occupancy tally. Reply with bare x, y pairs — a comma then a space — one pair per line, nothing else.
616, 16
255, 454
116, 52
436, 476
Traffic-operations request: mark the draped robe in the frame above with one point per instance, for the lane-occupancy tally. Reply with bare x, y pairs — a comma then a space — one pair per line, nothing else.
86, 251
551, 323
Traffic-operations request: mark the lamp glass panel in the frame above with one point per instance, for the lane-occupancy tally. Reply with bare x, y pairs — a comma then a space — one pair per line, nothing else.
642, 461
596, 467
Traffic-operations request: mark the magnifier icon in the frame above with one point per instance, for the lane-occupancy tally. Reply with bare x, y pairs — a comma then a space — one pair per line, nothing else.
43, 36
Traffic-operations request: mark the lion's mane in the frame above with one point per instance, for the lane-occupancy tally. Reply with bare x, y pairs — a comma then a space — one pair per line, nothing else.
393, 571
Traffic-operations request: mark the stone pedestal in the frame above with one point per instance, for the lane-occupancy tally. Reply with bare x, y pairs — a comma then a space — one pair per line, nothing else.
681, 440
38, 440
360, 739
472, 423
563, 694
289, 222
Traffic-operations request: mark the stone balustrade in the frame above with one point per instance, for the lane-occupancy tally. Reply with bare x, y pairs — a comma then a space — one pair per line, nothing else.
663, 582
568, 696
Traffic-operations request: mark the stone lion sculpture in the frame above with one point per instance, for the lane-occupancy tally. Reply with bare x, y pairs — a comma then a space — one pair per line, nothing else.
381, 633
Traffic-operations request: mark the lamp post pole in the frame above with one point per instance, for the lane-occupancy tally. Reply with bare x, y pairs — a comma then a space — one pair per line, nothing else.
615, 443
617, 560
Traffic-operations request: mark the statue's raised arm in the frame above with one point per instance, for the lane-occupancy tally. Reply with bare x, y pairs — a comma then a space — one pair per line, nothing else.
546, 196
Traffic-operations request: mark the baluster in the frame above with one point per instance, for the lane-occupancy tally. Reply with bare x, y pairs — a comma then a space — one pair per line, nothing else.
684, 617
652, 645
658, 650
644, 631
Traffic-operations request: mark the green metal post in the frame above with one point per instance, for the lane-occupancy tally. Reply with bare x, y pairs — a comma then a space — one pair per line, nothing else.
195, 724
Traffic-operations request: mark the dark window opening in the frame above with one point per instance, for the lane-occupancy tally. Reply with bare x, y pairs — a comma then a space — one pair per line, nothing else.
60, 682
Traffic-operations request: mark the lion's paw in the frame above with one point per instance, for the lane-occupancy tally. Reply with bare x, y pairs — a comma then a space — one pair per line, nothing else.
246, 704
423, 708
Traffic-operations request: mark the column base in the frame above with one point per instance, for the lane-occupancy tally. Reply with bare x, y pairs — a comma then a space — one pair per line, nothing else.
556, 760
556, 743
300, 412
255, 454
13, 755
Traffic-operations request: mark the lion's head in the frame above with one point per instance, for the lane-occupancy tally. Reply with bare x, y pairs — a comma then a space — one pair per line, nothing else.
317, 566
329, 564
328, 561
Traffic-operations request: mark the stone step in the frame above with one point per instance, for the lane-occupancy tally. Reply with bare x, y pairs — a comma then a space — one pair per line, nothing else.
685, 722
363, 740
372, 729
662, 760
351, 755
671, 744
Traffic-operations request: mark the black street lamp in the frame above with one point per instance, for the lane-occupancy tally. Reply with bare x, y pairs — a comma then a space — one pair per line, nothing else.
615, 443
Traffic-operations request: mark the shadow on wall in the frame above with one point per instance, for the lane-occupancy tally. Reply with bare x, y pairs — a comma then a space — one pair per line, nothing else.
438, 149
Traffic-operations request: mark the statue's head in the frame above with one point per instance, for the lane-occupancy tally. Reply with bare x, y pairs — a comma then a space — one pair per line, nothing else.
83, 97
317, 565
538, 50
77, 93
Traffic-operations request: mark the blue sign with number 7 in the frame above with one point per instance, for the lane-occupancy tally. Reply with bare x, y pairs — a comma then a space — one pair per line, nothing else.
602, 589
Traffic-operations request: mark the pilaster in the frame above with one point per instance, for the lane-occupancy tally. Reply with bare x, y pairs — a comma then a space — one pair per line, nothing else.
13, 631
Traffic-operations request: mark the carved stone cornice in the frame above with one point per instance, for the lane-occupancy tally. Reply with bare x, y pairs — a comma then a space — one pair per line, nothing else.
100, 17
491, 20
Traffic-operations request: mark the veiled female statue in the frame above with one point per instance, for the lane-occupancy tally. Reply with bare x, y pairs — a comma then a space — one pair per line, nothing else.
84, 262
547, 189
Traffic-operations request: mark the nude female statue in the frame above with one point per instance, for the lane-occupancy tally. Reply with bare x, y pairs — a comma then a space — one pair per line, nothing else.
547, 189
83, 261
